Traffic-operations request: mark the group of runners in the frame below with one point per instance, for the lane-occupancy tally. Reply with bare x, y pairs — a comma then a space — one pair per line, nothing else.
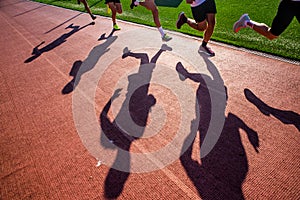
204, 19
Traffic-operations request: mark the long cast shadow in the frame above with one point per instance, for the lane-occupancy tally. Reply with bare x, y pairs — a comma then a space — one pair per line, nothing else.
71, 18
138, 103
2, 4
28, 11
285, 116
52, 29
80, 67
36, 52
221, 173
103, 37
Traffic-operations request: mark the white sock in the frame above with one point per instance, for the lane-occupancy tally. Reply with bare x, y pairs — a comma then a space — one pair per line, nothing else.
137, 2
162, 32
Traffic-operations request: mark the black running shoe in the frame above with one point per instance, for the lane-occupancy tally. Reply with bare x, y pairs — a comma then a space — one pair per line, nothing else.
207, 50
132, 5
181, 20
93, 17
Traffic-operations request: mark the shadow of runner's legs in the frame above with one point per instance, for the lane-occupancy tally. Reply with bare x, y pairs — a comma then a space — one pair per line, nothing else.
286, 117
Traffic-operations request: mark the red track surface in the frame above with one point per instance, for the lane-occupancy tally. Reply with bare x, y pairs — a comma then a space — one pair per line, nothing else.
43, 157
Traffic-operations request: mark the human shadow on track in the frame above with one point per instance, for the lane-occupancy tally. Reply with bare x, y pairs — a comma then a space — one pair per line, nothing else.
36, 52
33, 9
70, 19
220, 174
82, 12
70, 87
135, 108
103, 37
28, 11
286, 117
80, 67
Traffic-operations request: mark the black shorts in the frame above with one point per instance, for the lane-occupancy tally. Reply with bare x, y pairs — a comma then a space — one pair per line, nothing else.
287, 10
114, 1
199, 12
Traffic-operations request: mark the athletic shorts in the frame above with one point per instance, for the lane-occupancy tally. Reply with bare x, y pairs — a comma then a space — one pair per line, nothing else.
199, 12
287, 10
114, 1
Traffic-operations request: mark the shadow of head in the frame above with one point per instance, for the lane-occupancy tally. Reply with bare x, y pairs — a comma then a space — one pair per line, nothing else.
140, 105
74, 71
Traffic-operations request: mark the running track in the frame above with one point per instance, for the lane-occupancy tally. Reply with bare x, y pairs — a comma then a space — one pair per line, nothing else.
45, 125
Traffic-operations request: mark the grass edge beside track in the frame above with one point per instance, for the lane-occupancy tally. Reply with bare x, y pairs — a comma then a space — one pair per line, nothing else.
248, 44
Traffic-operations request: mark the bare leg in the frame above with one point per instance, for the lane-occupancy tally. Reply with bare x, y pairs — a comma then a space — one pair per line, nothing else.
156, 17
87, 8
150, 5
200, 26
210, 27
262, 29
113, 11
115, 8
207, 26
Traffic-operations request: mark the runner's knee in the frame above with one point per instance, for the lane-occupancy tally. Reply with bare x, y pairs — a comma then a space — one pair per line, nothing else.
119, 8
202, 27
119, 11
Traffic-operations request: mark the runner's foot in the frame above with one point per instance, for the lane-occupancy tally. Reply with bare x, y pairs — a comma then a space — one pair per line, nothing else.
166, 38
181, 20
241, 23
116, 27
207, 50
132, 5
93, 17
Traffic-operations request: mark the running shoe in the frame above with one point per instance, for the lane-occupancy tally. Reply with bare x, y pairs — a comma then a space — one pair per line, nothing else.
108, 10
116, 27
132, 5
93, 17
181, 20
206, 50
166, 38
241, 23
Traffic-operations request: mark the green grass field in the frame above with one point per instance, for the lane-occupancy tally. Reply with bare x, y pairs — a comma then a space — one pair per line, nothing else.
287, 45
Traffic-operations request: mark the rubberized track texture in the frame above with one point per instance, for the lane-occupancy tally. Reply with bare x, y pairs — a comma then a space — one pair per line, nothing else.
91, 113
